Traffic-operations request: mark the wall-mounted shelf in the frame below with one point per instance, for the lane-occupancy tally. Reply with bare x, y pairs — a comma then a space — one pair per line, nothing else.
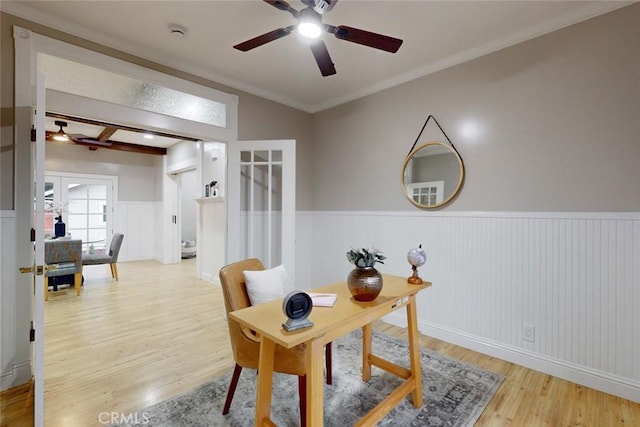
210, 199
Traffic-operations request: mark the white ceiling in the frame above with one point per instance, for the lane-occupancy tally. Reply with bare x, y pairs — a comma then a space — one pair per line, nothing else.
436, 34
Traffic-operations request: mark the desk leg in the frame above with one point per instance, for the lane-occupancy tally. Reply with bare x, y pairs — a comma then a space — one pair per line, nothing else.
366, 351
315, 383
265, 381
414, 351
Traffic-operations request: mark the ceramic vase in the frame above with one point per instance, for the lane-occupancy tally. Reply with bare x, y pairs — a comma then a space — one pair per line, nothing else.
365, 283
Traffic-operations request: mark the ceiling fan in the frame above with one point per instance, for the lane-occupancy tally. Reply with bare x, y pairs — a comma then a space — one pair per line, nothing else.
62, 136
310, 25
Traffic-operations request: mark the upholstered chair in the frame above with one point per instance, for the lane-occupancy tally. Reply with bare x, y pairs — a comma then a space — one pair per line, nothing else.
66, 256
110, 258
245, 344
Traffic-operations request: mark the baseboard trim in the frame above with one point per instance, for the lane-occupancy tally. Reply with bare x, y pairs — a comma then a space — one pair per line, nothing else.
15, 376
600, 381
209, 277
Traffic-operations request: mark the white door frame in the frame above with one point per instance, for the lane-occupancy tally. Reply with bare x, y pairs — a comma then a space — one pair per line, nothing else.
288, 198
27, 46
85, 107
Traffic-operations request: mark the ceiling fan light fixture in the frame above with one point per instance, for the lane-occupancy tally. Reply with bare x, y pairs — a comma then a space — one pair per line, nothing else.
61, 135
309, 23
310, 30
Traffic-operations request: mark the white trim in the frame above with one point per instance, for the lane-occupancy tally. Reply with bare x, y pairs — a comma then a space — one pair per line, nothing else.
633, 216
568, 371
23, 205
183, 166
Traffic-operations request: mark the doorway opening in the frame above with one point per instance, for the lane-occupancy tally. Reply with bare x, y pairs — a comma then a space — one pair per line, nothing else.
28, 58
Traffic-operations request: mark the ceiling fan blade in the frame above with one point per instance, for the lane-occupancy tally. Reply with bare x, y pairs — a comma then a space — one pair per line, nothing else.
366, 38
79, 138
283, 5
264, 38
323, 58
73, 136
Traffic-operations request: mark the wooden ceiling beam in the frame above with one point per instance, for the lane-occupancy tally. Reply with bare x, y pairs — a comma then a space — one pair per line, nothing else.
123, 127
113, 145
107, 133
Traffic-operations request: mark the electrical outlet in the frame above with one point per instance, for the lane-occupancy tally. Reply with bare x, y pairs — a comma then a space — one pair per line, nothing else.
528, 333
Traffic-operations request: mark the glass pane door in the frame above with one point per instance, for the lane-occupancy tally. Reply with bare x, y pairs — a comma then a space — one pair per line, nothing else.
86, 205
261, 205
87, 217
261, 202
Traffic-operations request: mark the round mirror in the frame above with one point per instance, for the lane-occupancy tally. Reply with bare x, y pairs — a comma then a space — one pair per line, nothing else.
432, 175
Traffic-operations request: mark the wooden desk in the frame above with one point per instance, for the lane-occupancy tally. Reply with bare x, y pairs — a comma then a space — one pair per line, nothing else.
329, 324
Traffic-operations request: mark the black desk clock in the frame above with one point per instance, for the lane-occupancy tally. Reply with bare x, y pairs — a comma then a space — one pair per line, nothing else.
297, 307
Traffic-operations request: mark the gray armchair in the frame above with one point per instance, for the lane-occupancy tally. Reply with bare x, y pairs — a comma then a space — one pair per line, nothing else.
110, 258
66, 255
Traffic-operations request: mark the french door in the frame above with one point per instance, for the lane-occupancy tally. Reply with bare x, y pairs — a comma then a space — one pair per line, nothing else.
86, 204
261, 202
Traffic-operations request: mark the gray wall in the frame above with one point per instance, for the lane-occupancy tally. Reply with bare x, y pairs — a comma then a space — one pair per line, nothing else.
557, 124
136, 172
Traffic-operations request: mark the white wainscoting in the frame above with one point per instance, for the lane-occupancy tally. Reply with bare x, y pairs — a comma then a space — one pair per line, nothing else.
137, 221
574, 277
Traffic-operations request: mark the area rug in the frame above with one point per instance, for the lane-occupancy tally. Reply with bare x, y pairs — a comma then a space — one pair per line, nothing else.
455, 393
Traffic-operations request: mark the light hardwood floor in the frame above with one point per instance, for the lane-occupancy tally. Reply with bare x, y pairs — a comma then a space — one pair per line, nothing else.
160, 331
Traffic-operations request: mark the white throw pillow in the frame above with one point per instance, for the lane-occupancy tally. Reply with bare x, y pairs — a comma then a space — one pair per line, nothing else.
267, 285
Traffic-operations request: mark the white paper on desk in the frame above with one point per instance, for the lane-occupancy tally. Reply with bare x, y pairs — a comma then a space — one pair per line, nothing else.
323, 300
